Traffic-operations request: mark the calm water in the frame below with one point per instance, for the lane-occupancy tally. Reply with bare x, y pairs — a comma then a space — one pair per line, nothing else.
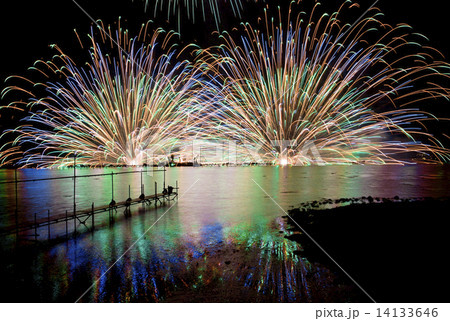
222, 241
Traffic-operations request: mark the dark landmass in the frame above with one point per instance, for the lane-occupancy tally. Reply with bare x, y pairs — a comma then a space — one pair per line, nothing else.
396, 249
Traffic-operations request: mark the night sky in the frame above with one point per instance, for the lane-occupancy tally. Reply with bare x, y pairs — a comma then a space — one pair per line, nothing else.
29, 27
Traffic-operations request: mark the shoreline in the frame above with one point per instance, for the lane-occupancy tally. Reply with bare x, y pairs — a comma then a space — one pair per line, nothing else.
394, 248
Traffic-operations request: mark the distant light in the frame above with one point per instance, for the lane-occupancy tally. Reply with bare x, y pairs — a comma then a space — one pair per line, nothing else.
284, 162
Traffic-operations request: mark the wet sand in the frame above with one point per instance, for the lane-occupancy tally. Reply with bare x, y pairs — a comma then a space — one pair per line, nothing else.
396, 249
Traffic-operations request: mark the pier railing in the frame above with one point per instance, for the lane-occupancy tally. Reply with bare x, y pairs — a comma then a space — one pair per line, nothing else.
82, 216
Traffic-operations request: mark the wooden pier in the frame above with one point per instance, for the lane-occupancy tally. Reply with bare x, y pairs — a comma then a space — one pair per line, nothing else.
82, 217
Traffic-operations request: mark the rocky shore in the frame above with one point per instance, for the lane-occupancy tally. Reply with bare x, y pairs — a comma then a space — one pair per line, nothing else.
395, 249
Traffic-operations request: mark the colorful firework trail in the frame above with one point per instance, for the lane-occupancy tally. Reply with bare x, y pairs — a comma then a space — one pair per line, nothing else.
350, 90
271, 92
124, 108
190, 8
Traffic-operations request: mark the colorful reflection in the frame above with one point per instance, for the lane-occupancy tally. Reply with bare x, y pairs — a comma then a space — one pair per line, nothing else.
222, 242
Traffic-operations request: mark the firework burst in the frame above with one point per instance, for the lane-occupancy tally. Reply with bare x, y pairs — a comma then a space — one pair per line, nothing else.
190, 8
348, 93
129, 105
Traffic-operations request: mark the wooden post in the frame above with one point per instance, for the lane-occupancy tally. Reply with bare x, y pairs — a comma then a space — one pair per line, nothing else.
142, 189
48, 223
112, 186
67, 227
156, 194
93, 220
176, 187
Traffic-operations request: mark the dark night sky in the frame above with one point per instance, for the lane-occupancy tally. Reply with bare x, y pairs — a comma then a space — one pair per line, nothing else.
29, 27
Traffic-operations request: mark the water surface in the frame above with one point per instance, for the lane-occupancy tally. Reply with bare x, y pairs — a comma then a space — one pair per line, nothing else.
222, 241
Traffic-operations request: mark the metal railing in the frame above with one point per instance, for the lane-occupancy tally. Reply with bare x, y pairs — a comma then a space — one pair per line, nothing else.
16, 181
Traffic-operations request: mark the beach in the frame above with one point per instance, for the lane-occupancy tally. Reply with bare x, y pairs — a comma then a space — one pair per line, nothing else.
394, 249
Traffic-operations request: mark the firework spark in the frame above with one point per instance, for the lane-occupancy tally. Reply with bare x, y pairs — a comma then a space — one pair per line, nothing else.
128, 106
349, 92
190, 8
